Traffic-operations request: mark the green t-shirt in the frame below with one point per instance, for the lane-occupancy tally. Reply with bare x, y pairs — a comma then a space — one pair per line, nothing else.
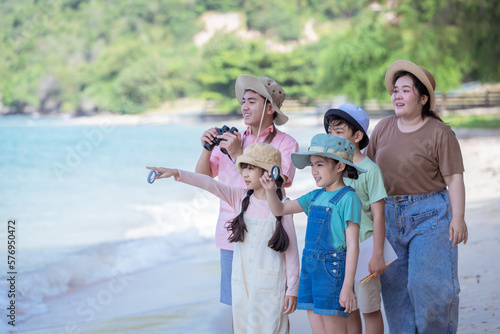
348, 208
370, 188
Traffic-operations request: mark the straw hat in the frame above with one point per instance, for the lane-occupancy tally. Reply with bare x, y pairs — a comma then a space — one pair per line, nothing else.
329, 146
268, 88
420, 72
261, 155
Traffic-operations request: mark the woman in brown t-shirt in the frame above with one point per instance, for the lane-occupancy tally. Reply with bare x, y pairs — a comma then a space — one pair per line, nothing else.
422, 167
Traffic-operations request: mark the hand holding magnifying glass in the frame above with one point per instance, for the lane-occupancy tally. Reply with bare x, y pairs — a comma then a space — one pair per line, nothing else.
275, 172
152, 176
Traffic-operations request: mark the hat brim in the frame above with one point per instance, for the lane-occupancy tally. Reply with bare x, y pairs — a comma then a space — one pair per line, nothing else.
248, 160
302, 160
403, 65
245, 82
337, 112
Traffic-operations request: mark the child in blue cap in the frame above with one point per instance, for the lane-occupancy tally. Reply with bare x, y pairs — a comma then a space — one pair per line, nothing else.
331, 249
351, 122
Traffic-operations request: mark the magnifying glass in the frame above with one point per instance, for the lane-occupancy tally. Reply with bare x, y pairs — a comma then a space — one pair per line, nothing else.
152, 176
275, 172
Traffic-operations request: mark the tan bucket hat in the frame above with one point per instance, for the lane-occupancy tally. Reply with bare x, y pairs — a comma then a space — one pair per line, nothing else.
266, 87
261, 155
420, 72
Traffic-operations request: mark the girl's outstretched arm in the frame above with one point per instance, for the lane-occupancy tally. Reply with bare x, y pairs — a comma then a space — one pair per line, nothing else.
165, 172
278, 208
231, 195
347, 298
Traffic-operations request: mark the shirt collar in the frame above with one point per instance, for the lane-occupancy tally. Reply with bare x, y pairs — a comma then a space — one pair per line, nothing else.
263, 134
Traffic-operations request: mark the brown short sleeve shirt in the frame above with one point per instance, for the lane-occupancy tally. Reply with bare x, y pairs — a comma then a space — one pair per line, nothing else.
415, 162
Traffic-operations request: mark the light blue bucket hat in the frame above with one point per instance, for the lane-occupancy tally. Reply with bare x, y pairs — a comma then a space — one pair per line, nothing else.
329, 146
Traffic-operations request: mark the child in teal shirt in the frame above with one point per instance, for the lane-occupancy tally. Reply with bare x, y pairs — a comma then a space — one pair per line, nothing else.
351, 122
331, 247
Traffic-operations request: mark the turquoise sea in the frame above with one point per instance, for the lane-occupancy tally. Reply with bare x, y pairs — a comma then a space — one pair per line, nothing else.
83, 208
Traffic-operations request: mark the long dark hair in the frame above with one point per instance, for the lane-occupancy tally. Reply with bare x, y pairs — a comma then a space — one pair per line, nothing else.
422, 90
349, 171
237, 227
279, 241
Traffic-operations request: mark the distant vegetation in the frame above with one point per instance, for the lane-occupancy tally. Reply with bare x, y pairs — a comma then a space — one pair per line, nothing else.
473, 121
76, 56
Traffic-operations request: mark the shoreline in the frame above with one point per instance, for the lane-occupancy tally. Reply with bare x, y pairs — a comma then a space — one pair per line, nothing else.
193, 113
153, 119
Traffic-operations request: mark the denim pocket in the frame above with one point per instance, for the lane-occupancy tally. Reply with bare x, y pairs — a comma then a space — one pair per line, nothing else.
314, 229
424, 222
333, 267
267, 280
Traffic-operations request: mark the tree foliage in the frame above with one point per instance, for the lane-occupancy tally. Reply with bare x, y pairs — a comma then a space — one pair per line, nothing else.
125, 57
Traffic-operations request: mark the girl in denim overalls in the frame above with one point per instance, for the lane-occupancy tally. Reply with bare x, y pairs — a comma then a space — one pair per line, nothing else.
331, 248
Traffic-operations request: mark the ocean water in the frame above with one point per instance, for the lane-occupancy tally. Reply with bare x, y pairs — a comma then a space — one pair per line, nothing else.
84, 210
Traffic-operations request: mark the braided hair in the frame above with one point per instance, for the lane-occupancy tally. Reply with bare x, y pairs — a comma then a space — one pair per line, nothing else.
279, 241
237, 227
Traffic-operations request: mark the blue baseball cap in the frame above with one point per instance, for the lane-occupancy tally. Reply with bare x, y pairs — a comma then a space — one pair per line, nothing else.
353, 115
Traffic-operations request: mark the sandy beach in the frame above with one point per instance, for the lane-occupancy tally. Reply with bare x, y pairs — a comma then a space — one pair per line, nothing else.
185, 296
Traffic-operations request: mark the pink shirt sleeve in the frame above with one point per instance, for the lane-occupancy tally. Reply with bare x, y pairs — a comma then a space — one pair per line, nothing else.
215, 160
287, 146
230, 195
292, 262
233, 196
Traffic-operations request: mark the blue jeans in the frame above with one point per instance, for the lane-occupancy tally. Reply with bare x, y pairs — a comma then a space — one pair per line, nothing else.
226, 268
420, 289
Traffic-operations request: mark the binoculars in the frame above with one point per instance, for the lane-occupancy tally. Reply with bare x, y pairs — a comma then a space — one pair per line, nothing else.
217, 141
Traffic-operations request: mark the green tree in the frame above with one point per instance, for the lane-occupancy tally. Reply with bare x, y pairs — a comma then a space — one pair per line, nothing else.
355, 60
132, 55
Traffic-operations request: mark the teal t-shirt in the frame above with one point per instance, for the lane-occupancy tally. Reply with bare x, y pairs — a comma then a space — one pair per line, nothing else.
370, 188
348, 208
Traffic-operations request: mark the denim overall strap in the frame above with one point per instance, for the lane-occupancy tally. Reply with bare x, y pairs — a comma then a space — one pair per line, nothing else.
319, 232
316, 195
340, 193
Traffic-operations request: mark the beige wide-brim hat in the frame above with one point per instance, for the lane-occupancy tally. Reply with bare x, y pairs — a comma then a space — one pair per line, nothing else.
420, 72
261, 155
267, 88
